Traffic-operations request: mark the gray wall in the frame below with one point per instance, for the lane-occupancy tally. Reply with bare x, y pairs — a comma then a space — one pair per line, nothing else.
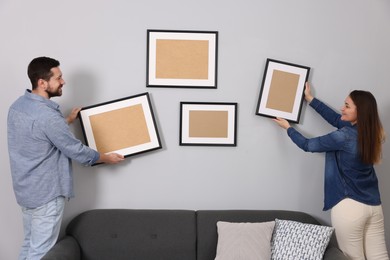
102, 48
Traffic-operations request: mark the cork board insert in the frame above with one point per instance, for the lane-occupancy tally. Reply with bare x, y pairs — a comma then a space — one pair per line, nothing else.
120, 128
182, 59
213, 124
282, 92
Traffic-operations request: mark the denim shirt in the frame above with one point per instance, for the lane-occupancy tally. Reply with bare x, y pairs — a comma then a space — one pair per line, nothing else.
346, 176
41, 146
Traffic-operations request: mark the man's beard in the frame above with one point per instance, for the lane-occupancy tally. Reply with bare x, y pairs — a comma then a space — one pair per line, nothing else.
56, 93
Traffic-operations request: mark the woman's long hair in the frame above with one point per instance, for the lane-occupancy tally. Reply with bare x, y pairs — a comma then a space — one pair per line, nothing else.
371, 134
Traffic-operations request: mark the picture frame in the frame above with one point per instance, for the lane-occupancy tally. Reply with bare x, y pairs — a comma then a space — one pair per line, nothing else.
182, 59
282, 90
125, 126
208, 123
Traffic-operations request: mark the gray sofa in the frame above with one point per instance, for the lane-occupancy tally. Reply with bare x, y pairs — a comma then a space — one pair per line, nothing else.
116, 234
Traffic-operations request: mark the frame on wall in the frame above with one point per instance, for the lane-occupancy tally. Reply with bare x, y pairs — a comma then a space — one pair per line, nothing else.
182, 59
126, 126
208, 124
282, 90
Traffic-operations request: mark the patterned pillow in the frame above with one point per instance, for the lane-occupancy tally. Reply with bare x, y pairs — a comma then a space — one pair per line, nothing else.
293, 240
244, 241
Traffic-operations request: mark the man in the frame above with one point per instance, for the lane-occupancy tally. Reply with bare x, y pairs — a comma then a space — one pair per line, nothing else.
41, 148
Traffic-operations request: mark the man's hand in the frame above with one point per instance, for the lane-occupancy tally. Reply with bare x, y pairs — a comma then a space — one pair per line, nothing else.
110, 158
72, 116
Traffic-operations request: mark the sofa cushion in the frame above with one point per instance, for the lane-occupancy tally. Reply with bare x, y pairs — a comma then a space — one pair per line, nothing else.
207, 225
135, 234
296, 240
244, 241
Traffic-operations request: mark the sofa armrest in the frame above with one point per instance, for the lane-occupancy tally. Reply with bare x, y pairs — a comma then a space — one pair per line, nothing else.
333, 253
66, 249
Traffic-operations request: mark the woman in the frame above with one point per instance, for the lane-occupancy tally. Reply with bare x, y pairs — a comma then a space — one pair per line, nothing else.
351, 185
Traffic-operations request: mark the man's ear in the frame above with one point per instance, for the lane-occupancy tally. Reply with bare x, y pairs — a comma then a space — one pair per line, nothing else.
42, 84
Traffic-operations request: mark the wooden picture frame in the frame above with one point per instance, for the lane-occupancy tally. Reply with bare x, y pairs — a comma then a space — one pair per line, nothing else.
208, 124
282, 90
126, 126
182, 59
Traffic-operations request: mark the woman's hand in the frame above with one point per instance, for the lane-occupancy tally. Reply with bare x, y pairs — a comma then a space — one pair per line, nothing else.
282, 122
308, 96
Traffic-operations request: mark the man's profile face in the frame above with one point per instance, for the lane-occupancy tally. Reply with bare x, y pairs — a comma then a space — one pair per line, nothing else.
55, 83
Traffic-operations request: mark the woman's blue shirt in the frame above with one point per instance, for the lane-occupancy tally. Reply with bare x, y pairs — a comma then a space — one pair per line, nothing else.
346, 176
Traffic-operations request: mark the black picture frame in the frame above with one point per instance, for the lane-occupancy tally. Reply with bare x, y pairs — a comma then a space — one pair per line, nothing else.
208, 123
282, 90
182, 59
126, 126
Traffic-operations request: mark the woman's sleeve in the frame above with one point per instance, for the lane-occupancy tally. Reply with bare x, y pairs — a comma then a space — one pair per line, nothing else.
331, 116
331, 142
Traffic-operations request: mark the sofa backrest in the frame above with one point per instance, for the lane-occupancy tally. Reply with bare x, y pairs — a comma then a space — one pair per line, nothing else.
207, 236
135, 234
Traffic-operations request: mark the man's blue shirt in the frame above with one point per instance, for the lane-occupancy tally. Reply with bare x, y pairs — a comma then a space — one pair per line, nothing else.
346, 176
41, 147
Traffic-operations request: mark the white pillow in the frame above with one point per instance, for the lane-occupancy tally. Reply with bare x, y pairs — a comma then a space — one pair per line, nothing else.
244, 241
296, 240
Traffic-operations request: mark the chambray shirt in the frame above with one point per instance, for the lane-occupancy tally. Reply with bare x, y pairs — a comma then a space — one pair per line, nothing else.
346, 176
41, 146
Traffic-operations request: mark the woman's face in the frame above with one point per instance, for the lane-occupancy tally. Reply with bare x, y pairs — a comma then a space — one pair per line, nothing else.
349, 111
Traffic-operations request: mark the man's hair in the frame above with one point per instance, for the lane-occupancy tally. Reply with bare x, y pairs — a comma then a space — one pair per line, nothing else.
39, 68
